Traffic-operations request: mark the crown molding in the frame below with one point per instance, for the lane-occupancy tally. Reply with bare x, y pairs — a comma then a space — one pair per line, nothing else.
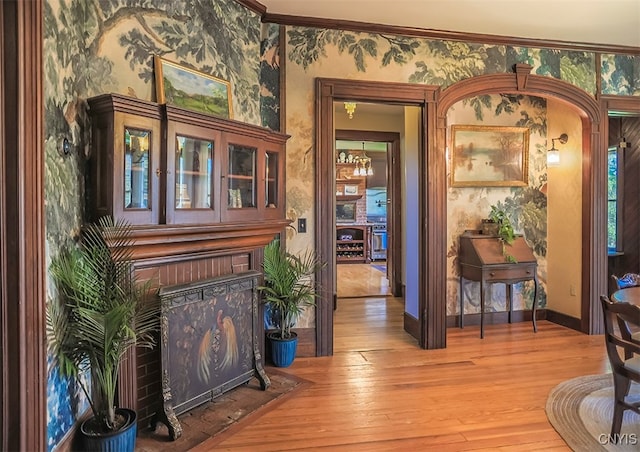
254, 6
366, 27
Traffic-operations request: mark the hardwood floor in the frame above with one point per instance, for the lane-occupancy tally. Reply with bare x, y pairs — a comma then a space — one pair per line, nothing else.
381, 392
362, 280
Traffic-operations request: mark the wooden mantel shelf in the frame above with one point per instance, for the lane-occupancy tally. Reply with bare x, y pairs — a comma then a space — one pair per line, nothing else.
348, 197
173, 240
355, 180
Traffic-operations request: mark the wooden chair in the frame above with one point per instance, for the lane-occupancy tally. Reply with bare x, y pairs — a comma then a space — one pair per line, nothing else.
626, 280
618, 343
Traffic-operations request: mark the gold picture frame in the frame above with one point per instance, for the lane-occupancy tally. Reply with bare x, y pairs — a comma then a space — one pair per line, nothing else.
489, 156
192, 90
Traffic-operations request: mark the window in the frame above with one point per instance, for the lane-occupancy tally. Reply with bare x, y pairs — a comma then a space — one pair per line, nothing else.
614, 200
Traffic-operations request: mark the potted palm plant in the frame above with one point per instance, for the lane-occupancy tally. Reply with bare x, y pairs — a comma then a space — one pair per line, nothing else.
288, 289
100, 312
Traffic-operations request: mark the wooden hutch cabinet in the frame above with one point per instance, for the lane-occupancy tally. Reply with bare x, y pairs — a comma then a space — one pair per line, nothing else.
156, 164
203, 194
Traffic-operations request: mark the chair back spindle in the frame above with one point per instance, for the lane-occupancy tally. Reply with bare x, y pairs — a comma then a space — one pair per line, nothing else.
624, 355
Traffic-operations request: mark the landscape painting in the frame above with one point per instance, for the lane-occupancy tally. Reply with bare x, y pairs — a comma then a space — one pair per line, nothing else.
489, 156
192, 90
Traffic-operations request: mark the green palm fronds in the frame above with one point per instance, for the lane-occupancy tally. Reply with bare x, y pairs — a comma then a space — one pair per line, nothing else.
289, 285
101, 311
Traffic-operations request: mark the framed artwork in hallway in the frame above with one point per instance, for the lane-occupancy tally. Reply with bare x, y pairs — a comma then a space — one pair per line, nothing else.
489, 156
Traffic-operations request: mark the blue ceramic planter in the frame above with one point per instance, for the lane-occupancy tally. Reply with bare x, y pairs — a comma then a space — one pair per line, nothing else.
124, 440
283, 351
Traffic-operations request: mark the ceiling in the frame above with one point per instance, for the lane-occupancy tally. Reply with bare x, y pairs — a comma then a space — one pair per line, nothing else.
611, 22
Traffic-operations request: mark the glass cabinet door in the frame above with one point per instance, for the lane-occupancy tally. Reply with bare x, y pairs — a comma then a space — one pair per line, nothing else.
136, 168
242, 176
271, 180
194, 168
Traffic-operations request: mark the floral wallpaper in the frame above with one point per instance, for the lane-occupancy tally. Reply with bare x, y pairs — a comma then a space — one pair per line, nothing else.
525, 206
620, 75
315, 52
270, 78
433, 61
95, 47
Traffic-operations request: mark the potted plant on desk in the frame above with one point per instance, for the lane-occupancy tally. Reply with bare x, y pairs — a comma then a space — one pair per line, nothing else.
288, 289
503, 230
101, 312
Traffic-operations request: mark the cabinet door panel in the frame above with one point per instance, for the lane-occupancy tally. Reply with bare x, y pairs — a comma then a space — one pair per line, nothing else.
192, 192
137, 169
243, 162
241, 176
136, 160
194, 172
274, 200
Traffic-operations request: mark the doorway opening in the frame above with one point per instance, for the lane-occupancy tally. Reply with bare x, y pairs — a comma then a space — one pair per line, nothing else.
418, 102
623, 201
363, 200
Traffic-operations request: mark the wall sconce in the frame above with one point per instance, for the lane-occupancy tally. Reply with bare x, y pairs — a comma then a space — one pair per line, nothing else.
553, 154
64, 146
350, 107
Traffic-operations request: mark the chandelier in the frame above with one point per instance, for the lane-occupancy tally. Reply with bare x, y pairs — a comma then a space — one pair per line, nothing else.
363, 164
350, 107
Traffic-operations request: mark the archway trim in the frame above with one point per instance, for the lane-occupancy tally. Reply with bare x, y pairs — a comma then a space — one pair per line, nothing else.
594, 263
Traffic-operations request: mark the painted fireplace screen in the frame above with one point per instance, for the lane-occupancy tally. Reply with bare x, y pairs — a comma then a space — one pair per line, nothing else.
209, 343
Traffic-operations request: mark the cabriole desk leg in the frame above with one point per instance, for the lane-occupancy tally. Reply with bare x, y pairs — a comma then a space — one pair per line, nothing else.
535, 302
482, 308
510, 299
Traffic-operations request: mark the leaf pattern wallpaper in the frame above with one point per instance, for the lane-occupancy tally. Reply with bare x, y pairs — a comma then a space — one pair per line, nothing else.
620, 75
97, 46
94, 47
313, 52
525, 206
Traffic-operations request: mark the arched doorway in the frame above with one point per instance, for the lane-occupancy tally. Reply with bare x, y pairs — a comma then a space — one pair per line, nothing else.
594, 263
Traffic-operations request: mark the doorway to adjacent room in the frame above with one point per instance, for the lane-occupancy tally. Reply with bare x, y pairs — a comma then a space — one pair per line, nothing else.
364, 199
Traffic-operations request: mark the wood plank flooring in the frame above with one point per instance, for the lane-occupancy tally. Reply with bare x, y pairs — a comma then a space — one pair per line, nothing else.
361, 280
381, 392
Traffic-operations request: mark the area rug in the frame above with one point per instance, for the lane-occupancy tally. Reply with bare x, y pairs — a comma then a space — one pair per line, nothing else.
382, 268
212, 422
581, 411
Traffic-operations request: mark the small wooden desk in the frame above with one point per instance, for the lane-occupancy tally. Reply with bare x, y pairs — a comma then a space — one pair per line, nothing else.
629, 295
481, 259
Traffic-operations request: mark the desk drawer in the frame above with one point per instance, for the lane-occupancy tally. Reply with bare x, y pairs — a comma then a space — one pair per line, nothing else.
503, 274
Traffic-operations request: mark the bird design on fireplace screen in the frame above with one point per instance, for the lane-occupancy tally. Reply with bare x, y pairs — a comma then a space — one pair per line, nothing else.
209, 342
